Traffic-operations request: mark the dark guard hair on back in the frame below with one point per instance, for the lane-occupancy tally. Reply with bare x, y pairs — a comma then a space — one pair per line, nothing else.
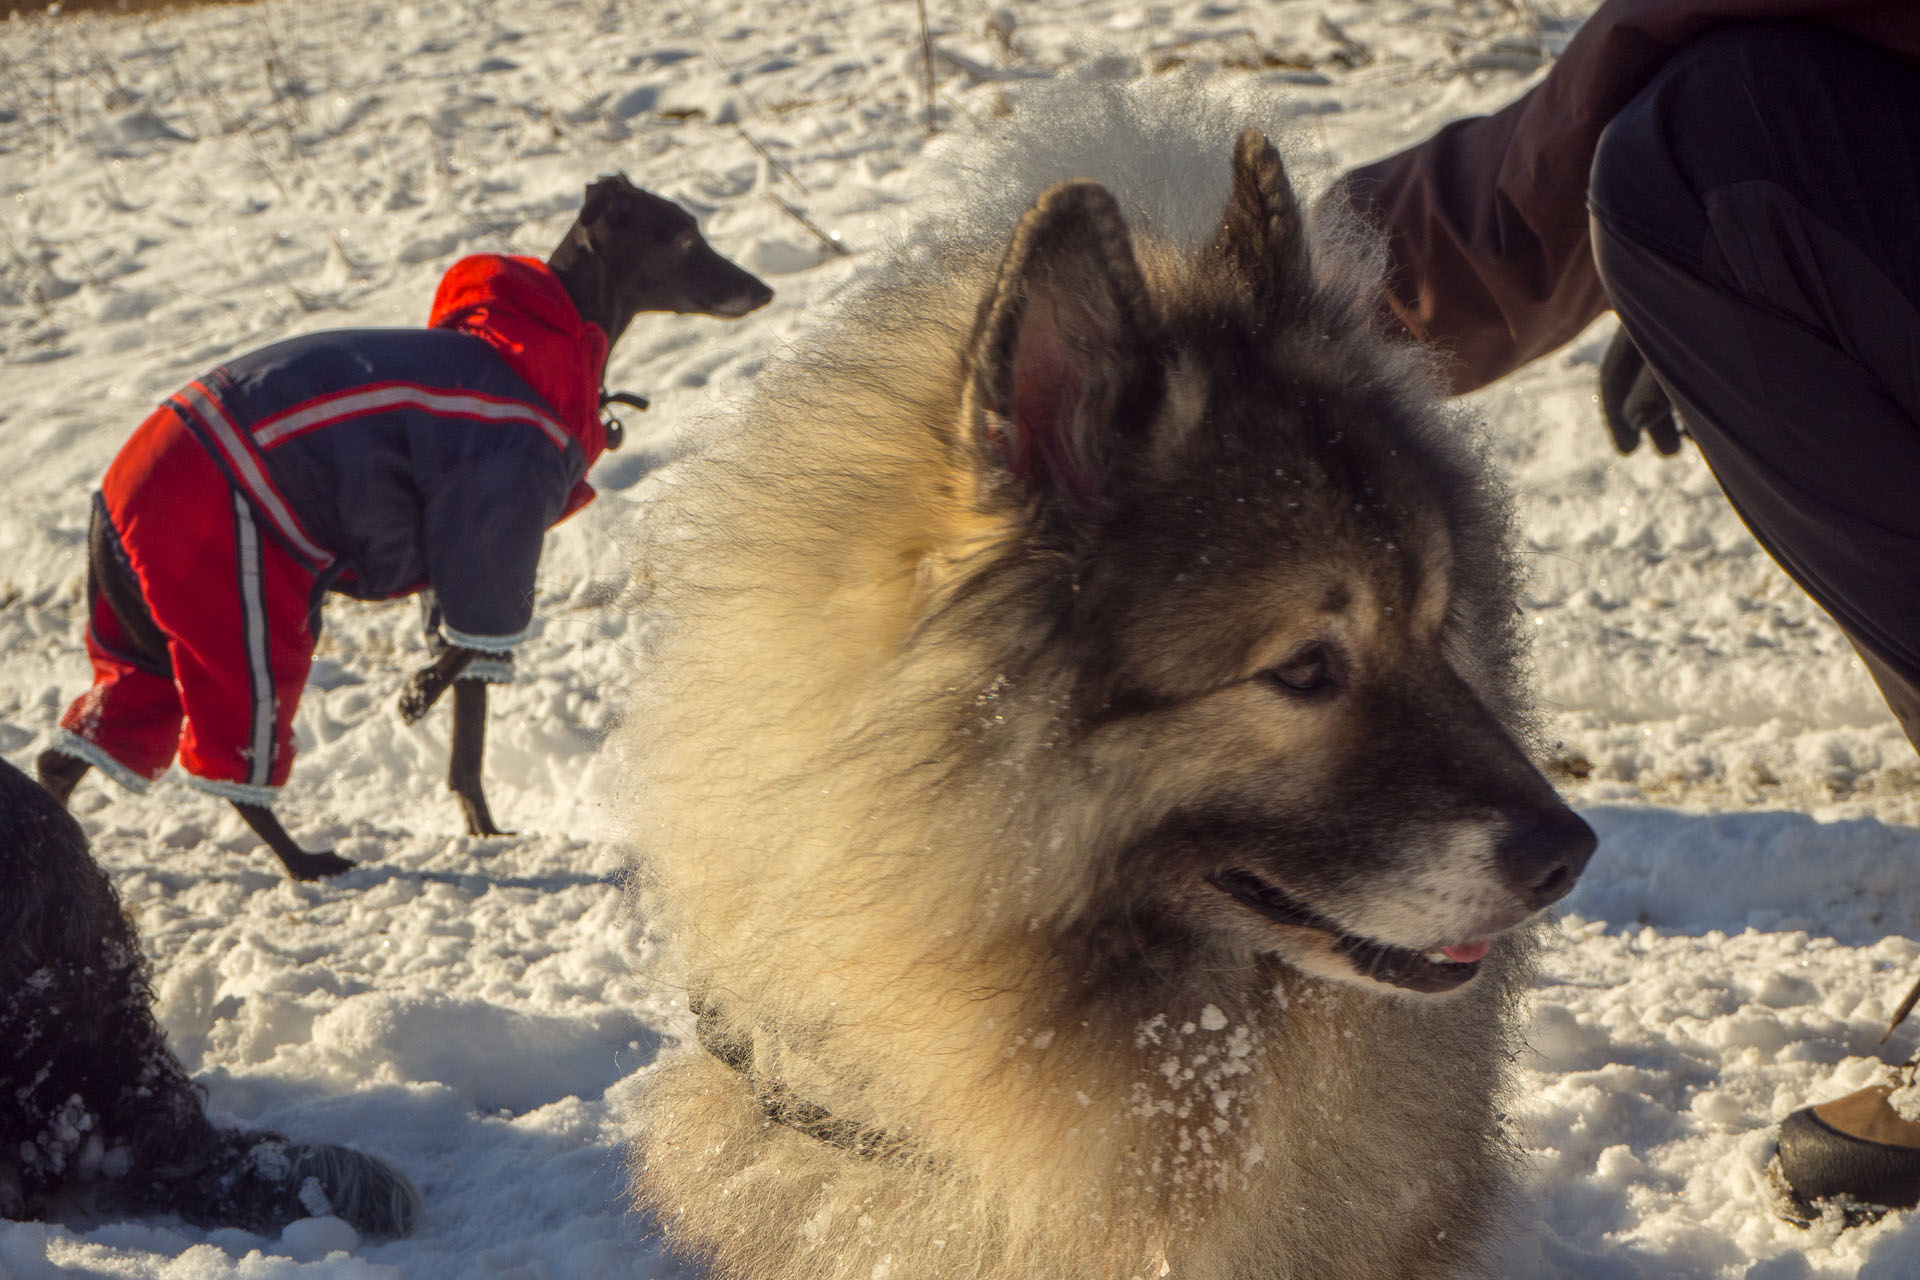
93, 1102
1082, 760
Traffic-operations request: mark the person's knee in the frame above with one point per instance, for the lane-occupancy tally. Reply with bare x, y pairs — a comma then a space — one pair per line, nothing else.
1732, 106
1648, 225
1637, 188
1646, 181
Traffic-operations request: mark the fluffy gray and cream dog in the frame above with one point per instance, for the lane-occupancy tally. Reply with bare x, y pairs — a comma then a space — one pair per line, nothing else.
1081, 773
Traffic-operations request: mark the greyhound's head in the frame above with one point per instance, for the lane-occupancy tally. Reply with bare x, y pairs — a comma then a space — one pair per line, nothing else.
631, 251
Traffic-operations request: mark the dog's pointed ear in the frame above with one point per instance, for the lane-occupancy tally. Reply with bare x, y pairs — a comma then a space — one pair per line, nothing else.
1060, 347
1263, 237
597, 206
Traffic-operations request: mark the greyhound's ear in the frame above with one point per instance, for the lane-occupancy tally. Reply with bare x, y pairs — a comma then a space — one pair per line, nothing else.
599, 200
1263, 238
1059, 365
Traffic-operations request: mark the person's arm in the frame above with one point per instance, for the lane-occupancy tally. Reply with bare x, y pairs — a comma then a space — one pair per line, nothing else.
1487, 220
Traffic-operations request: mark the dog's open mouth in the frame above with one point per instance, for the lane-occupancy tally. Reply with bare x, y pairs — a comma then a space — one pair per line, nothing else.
1429, 972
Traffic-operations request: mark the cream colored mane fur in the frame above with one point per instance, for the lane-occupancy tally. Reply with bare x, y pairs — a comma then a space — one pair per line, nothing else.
861, 843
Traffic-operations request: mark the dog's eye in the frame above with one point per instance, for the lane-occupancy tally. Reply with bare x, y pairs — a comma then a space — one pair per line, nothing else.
1311, 670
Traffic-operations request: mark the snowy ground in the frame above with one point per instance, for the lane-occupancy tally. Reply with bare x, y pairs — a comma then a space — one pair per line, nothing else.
179, 187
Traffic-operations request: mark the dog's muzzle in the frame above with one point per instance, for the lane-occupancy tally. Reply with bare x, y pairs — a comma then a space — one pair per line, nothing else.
1432, 972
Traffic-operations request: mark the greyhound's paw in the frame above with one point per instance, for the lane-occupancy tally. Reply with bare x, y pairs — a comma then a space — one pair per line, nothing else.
316, 866
421, 692
479, 818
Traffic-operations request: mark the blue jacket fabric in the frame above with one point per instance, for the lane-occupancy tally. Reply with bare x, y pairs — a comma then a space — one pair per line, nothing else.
413, 457
390, 460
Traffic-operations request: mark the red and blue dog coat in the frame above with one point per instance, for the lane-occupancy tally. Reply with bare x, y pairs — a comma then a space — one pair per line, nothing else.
371, 462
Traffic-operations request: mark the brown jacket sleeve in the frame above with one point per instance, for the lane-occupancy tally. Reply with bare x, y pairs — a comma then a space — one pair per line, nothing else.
1487, 220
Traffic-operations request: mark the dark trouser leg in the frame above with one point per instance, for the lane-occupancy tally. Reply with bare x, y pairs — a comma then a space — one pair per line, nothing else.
1756, 217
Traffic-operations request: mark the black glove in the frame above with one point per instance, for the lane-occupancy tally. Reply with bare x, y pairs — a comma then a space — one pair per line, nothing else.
1634, 401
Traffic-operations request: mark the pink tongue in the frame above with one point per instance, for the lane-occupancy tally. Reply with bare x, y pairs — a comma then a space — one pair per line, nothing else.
1466, 952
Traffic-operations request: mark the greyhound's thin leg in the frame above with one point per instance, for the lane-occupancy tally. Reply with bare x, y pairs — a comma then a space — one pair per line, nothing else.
300, 864
60, 773
469, 745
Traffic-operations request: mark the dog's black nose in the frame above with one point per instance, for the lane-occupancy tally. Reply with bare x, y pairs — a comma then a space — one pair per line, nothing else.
755, 297
1543, 854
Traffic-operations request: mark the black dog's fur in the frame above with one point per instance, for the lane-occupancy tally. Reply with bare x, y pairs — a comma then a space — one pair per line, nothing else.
93, 1100
628, 251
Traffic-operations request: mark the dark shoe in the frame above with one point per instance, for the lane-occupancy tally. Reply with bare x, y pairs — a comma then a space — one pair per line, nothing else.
1856, 1155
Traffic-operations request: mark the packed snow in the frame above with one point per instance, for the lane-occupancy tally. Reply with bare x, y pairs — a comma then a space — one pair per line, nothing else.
183, 185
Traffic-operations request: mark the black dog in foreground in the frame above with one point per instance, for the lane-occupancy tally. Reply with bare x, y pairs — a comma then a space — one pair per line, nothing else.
371, 463
93, 1103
